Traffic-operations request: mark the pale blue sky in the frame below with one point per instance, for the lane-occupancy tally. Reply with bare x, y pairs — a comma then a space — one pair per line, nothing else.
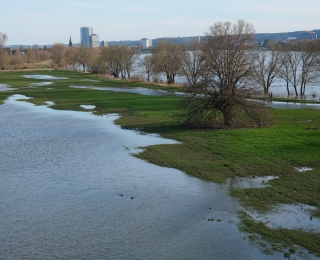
49, 21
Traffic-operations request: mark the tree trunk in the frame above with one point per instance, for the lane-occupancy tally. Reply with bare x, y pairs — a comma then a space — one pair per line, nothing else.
288, 88
227, 116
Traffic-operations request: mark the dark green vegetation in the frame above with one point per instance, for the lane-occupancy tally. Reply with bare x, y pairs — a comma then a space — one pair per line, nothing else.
292, 140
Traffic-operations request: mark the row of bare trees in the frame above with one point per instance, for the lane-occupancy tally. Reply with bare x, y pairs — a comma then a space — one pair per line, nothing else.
117, 60
22, 55
297, 63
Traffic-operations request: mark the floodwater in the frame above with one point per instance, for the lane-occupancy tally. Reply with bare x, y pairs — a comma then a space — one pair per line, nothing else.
4, 87
137, 90
295, 105
44, 77
88, 106
296, 217
71, 189
40, 84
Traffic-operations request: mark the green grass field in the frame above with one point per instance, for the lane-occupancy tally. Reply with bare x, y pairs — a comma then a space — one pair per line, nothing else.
292, 140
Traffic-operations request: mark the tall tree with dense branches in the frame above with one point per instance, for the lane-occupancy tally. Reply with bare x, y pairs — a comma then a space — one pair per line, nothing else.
225, 90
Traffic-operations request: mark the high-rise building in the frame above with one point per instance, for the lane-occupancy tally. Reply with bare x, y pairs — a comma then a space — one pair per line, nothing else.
88, 38
146, 43
94, 41
85, 33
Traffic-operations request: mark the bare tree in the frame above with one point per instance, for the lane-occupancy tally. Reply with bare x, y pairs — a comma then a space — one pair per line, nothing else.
3, 53
267, 66
130, 55
225, 90
86, 56
113, 59
57, 54
4, 58
3, 39
299, 65
147, 64
36, 51
70, 56
16, 57
44, 54
167, 59
309, 70
31, 55
192, 63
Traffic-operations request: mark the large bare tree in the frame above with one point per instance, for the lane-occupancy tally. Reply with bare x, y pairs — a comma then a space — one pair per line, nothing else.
309, 72
167, 59
70, 57
225, 90
57, 54
147, 65
267, 67
113, 59
299, 65
192, 63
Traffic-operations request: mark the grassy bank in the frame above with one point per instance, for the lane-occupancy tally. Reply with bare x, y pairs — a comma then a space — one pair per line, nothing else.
292, 140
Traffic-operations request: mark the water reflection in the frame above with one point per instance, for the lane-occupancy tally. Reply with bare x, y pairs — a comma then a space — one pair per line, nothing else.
49, 77
4, 87
62, 173
276, 104
138, 90
296, 217
249, 182
39, 84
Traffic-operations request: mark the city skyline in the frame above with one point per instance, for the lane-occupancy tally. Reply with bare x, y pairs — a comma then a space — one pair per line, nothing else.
50, 22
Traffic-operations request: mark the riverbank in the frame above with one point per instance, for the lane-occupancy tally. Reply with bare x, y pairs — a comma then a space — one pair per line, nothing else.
292, 140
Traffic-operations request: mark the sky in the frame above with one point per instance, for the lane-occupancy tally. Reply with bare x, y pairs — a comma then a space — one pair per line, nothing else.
28, 22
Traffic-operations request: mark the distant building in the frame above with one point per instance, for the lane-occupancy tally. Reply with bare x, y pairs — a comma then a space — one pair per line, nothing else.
145, 43
88, 38
70, 42
104, 43
94, 40
85, 33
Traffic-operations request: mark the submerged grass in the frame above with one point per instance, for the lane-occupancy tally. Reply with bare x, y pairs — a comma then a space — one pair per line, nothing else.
292, 140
